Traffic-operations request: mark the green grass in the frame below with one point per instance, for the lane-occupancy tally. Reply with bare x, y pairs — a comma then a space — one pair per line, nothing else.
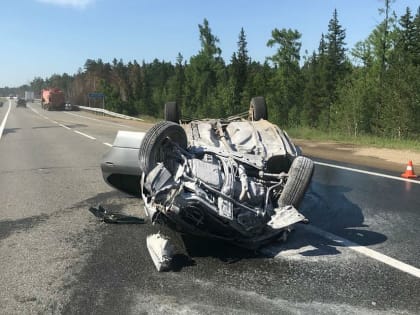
363, 140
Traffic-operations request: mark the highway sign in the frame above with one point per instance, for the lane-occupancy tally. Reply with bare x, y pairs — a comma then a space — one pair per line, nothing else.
96, 95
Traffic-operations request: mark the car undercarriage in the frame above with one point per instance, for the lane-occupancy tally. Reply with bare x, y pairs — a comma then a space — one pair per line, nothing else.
237, 179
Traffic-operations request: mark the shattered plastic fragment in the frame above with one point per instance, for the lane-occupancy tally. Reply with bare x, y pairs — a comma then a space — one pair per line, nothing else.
160, 250
285, 217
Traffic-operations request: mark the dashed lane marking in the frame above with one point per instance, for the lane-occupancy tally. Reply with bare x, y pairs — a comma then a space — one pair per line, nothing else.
64, 126
61, 125
84, 135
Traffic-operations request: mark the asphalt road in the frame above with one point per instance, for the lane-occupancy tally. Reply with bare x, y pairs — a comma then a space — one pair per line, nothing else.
56, 258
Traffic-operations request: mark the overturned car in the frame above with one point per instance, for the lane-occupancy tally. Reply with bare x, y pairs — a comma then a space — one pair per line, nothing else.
238, 179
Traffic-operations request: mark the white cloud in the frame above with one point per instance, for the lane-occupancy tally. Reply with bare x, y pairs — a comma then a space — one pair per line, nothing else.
79, 4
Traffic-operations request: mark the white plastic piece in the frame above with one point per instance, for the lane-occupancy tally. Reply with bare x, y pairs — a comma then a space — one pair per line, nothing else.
284, 217
160, 250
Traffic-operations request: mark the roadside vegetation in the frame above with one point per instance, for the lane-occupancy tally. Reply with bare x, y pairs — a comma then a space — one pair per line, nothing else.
367, 94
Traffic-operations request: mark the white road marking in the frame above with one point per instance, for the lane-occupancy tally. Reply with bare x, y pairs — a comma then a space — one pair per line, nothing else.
3, 123
64, 126
84, 135
392, 262
107, 144
367, 172
102, 121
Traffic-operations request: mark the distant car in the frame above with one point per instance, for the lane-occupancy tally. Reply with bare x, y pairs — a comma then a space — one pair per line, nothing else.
69, 106
21, 102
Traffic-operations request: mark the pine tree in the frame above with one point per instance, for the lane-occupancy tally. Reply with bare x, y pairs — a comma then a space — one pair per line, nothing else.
205, 72
336, 66
286, 86
239, 73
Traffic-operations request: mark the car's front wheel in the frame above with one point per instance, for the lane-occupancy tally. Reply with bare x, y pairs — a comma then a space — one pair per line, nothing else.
158, 145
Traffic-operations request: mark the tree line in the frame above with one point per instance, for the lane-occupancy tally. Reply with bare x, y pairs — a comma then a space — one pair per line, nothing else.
373, 88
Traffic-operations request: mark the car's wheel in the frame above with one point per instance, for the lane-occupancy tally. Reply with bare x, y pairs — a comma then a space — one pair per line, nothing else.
172, 112
300, 174
258, 108
157, 145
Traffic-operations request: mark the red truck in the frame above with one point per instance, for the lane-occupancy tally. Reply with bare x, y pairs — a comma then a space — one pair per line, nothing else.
52, 99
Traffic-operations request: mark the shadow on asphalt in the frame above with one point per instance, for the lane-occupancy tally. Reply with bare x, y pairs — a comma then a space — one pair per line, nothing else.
327, 208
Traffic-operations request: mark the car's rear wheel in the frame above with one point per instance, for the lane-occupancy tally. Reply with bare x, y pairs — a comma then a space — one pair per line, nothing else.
172, 112
299, 177
258, 108
158, 146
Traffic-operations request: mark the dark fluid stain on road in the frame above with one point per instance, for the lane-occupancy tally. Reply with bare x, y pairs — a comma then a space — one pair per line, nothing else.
56, 126
46, 127
10, 226
6, 131
73, 126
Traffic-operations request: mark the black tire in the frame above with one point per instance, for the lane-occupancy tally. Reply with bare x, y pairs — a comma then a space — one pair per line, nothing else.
155, 148
172, 112
258, 108
300, 174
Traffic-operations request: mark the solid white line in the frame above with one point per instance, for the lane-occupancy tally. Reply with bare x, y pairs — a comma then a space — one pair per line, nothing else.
368, 173
3, 123
84, 135
107, 144
366, 251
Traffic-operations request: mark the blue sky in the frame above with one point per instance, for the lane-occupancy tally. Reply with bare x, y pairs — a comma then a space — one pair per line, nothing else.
42, 37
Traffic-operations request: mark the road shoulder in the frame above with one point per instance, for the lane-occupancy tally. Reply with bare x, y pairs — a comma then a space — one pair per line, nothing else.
379, 158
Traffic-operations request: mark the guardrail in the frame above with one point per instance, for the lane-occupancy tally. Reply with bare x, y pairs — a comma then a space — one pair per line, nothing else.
108, 113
